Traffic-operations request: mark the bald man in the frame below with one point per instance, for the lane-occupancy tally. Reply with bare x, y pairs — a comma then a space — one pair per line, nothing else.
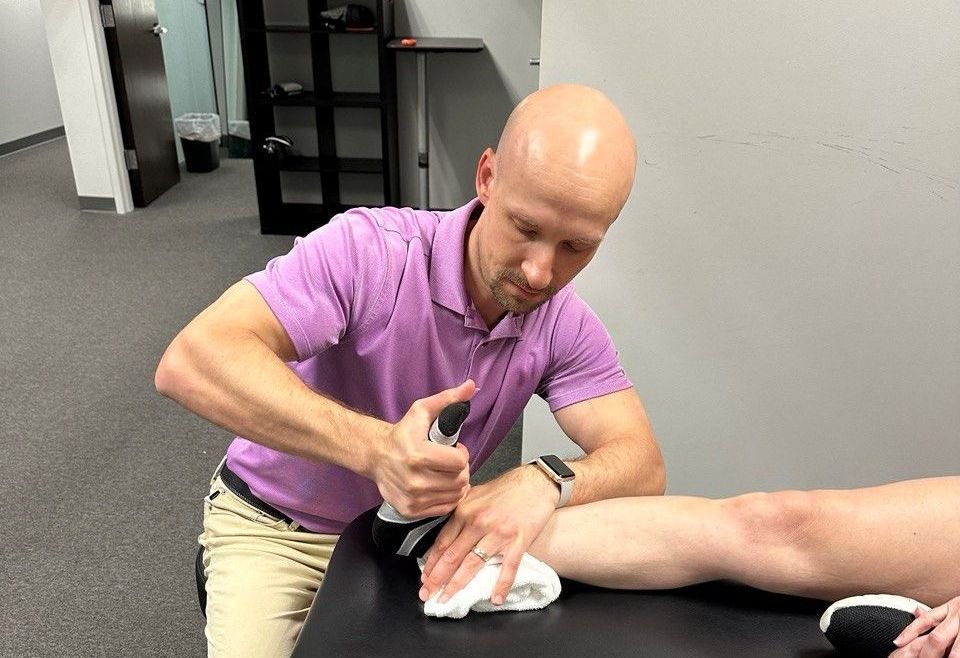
331, 364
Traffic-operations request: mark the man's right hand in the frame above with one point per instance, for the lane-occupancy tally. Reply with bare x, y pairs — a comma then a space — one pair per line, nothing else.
417, 477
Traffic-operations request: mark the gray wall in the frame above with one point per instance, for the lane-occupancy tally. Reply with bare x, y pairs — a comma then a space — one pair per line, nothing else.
784, 283
28, 92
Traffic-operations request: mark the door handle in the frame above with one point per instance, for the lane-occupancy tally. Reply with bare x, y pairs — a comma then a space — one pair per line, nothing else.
534, 61
158, 30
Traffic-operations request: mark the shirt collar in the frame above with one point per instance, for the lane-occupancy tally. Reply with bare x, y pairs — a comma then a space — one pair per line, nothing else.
447, 286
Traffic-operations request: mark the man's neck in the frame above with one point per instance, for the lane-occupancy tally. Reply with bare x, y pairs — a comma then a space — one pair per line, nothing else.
483, 300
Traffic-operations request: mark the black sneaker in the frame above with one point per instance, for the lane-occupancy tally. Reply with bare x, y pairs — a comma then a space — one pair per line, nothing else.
867, 625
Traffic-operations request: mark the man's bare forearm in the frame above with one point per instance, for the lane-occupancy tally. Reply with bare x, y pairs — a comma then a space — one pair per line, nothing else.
231, 378
616, 469
622, 467
622, 454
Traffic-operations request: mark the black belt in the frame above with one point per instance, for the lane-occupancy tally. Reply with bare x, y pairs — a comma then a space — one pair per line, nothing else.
239, 488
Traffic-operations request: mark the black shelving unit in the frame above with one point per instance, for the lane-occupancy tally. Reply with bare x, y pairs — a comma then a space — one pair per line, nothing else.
280, 216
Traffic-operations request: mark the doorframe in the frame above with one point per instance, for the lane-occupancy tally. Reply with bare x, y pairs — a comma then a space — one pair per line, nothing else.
86, 40
109, 116
107, 104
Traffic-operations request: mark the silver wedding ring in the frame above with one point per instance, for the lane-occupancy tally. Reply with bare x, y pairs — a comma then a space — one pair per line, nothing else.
480, 554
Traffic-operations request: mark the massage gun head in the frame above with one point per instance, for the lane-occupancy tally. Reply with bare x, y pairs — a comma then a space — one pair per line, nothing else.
412, 539
452, 417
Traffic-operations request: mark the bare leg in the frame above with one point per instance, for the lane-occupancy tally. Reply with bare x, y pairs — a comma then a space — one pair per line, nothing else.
899, 538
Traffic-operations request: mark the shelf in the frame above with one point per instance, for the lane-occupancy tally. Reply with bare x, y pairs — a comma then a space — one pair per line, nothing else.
338, 99
306, 29
342, 165
298, 218
301, 218
300, 192
281, 28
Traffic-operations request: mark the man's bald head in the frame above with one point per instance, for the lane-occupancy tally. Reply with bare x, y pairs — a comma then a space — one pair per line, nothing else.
572, 141
561, 173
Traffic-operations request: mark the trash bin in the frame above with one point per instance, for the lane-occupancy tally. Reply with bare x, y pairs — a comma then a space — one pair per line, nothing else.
200, 138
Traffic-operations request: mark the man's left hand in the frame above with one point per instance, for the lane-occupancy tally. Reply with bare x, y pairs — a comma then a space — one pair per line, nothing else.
501, 517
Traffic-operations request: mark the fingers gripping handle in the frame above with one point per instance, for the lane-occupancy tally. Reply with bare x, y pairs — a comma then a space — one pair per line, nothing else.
393, 533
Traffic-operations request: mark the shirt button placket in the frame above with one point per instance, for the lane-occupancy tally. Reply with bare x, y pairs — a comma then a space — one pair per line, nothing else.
473, 357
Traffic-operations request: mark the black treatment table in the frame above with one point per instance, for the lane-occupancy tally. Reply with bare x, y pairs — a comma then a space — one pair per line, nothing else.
368, 606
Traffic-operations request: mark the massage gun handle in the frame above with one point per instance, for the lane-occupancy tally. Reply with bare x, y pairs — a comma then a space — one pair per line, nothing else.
394, 533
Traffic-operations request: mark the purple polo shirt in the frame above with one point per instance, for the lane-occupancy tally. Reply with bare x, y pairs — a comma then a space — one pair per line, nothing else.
376, 306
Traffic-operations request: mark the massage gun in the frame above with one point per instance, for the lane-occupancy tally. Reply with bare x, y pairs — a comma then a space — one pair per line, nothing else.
394, 533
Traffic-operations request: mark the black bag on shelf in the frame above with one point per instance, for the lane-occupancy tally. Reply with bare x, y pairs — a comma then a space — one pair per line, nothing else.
348, 18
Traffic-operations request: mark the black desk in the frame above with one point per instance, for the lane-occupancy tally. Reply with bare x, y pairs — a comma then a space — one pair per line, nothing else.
368, 606
421, 46
439, 44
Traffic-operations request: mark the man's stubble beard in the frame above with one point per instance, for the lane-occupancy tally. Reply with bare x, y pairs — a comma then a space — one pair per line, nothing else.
506, 301
510, 303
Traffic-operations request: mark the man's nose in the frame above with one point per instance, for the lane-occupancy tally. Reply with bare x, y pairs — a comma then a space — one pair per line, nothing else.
538, 268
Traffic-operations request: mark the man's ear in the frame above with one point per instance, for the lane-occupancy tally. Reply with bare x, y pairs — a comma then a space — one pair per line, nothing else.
486, 172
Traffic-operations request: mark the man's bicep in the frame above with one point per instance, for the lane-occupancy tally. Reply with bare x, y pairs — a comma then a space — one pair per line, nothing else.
242, 307
592, 422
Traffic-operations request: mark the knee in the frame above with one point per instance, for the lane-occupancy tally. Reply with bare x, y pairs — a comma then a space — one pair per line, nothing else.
778, 520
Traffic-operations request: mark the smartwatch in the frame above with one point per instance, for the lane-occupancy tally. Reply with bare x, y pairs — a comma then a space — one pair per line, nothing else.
560, 473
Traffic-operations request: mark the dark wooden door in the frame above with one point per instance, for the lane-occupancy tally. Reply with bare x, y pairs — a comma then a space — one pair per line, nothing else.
143, 101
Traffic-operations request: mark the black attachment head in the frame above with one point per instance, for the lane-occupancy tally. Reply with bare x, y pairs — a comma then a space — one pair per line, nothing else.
452, 417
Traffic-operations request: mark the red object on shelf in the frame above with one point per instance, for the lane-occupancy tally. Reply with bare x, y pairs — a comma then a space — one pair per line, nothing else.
408, 42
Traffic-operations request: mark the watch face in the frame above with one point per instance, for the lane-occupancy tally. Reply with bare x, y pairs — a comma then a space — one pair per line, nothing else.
557, 466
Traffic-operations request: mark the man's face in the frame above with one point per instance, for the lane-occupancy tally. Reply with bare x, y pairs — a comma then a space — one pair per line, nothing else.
532, 240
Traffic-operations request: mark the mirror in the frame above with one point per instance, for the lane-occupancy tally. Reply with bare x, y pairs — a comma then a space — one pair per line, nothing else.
227, 61
187, 58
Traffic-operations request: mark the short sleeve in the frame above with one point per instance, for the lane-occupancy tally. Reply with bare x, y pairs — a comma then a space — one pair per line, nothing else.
324, 286
583, 363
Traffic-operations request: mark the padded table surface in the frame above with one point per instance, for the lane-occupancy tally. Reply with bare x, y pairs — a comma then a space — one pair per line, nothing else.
368, 606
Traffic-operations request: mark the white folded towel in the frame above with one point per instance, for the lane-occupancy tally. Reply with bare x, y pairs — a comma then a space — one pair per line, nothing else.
535, 587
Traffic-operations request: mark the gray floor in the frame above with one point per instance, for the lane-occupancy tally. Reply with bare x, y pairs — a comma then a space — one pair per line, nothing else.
100, 477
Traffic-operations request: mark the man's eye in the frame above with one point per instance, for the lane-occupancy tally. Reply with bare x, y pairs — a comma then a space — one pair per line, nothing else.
572, 249
528, 232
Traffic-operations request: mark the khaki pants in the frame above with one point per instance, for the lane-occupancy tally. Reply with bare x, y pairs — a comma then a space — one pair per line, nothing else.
262, 575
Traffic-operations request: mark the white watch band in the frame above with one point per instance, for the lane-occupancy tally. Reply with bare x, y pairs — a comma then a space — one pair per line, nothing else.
566, 491
565, 484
